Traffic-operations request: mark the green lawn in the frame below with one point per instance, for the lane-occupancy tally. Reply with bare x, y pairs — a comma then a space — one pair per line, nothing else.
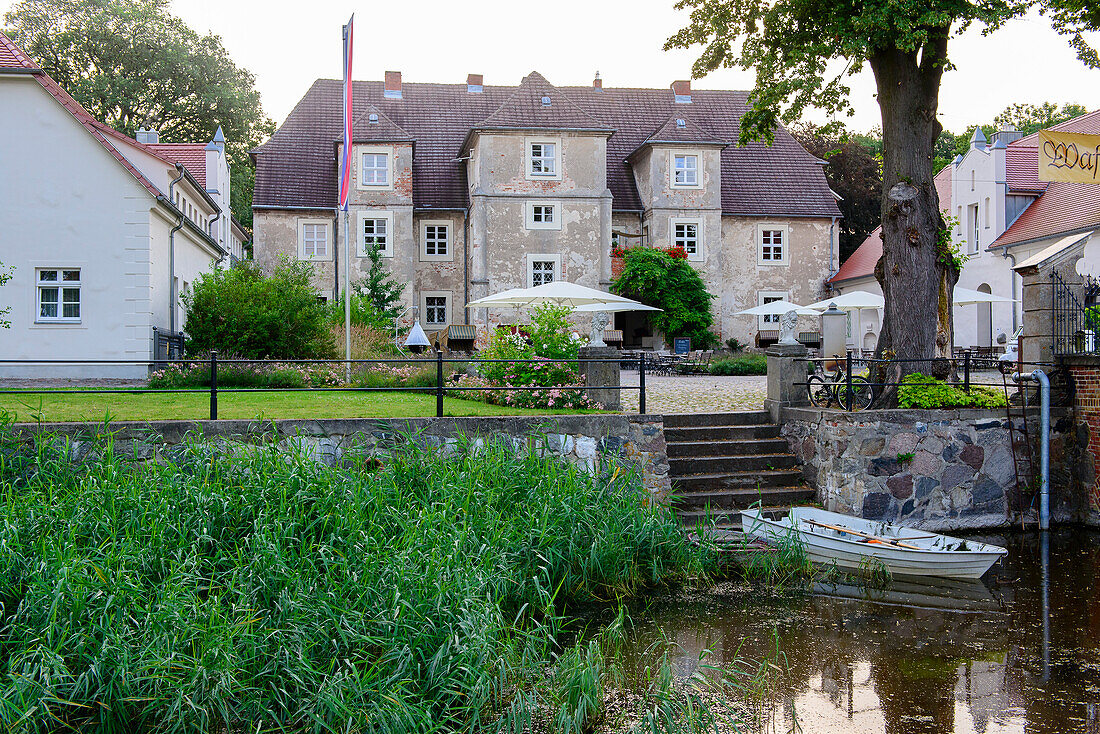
53, 407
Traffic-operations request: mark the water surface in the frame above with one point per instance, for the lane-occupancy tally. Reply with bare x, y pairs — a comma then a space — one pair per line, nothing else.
966, 657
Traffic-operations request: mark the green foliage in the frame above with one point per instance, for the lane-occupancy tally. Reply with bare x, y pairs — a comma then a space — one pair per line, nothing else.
905, 458
5, 275
363, 313
398, 375
746, 364
241, 311
256, 375
1030, 118
735, 345
673, 285
380, 289
950, 253
922, 391
132, 63
261, 591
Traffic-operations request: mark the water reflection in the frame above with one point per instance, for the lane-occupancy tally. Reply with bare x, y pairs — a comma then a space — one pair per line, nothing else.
972, 658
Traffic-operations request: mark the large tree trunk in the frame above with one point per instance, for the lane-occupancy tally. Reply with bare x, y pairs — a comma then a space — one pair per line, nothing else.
917, 278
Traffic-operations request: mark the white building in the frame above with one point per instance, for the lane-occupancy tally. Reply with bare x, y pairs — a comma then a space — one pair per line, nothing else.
104, 232
1005, 216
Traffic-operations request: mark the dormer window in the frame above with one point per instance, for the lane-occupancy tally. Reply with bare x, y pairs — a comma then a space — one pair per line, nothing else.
685, 170
376, 169
542, 159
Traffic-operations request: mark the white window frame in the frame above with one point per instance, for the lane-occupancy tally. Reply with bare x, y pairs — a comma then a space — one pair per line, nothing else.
424, 296
673, 222
769, 323
365, 150
361, 237
533, 258
303, 222
529, 159
786, 244
449, 256
529, 216
672, 156
974, 226
60, 285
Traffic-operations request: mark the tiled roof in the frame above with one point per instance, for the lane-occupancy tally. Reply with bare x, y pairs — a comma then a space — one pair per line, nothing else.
381, 130
1063, 207
297, 166
536, 104
1022, 170
12, 57
682, 130
191, 155
861, 263
1087, 123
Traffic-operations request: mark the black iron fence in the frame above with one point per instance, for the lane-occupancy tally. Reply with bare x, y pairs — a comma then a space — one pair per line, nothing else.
1076, 315
835, 380
440, 388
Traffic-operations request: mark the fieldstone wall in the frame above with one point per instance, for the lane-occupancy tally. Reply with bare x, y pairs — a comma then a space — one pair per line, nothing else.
588, 440
932, 469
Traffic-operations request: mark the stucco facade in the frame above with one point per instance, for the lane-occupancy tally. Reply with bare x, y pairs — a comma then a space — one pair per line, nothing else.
87, 239
533, 190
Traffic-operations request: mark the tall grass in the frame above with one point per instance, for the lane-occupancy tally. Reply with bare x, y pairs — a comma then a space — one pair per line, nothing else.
257, 590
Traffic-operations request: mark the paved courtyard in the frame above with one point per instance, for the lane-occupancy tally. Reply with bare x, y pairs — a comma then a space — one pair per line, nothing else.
695, 393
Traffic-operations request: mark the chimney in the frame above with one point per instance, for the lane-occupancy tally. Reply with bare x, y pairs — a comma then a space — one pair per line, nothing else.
149, 137
474, 83
1007, 134
682, 90
393, 85
597, 83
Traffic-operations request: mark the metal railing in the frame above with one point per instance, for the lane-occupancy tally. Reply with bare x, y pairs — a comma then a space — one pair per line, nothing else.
1076, 315
440, 389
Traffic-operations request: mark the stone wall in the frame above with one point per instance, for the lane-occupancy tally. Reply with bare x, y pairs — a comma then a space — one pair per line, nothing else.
1084, 372
588, 440
933, 469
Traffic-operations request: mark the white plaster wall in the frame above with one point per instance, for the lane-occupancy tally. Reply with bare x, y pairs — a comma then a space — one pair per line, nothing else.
66, 202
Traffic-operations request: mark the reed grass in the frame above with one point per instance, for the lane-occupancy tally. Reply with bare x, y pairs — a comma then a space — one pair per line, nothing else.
260, 591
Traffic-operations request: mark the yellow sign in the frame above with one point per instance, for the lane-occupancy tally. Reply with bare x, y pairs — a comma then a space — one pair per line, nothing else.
1073, 157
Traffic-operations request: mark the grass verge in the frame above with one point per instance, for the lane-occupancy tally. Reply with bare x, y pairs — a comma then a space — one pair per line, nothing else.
47, 406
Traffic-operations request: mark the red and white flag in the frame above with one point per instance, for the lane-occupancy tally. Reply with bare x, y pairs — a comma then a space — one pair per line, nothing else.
345, 159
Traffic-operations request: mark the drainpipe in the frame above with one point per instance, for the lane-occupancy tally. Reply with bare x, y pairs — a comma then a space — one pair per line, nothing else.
1044, 443
466, 264
832, 245
172, 254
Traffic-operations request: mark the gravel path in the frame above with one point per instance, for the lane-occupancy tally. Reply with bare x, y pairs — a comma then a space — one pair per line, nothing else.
695, 393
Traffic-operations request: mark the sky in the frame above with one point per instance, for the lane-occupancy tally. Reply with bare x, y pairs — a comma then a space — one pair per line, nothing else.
288, 45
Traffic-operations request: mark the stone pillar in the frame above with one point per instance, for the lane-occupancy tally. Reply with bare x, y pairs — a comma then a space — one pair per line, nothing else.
1036, 339
786, 378
602, 373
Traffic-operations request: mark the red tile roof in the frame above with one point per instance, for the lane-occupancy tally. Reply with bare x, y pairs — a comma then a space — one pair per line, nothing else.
861, 263
1086, 123
527, 109
297, 166
12, 57
688, 132
1022, 169
191, 156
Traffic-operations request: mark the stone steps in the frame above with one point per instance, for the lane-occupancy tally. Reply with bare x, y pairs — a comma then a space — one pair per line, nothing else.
721, 463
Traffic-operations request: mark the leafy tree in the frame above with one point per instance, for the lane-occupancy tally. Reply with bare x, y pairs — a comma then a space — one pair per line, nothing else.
656, 278
131, 63
802, 52
242, 313
5, 276
380, 288
854, 172
1030, 118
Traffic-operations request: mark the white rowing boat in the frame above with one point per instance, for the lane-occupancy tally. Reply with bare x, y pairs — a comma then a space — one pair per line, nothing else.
830, 537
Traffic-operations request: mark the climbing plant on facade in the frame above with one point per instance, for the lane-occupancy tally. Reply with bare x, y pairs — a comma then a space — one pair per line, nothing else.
668, 281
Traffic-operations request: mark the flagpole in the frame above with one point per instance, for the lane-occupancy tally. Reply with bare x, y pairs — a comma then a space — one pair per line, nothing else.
347, 295
345, 195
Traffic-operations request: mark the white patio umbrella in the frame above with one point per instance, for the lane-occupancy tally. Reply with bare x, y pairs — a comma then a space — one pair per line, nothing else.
965, 297
778, 308
851, 301
559, 292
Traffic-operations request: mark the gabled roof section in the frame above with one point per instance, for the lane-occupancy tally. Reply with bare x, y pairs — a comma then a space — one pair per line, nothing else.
12, 58
1022, 170
1086, 123
191, 156
1063, 208
679, 129
538, 105
372, 126
861, 263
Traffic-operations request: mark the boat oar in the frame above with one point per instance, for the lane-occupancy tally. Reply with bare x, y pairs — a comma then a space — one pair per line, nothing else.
872, 538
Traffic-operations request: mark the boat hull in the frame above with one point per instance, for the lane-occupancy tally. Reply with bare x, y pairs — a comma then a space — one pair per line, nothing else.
938, 556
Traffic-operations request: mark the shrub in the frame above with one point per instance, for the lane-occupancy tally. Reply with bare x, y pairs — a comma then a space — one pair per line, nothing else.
922, 391
261, 591
397, 375
656, 278
256, 375
747, 364
363, 314
241, 311
734, 345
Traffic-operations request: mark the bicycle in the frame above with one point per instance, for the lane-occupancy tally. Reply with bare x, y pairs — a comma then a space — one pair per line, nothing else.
828, 388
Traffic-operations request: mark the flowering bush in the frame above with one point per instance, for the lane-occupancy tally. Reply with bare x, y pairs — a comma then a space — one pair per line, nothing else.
676, 253
247, 374
553, 397
397, 375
